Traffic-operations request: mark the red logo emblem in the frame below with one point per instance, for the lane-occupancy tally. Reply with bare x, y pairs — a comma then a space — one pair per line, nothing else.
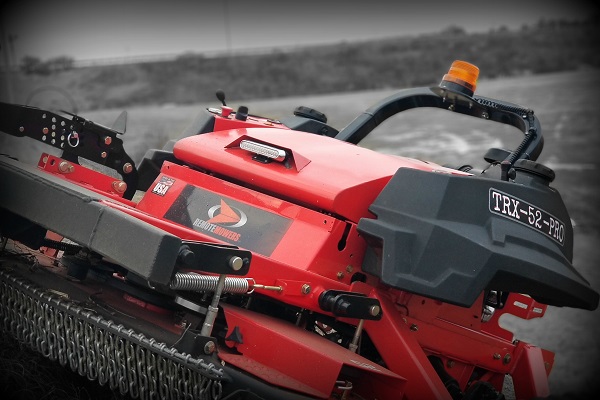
226, 215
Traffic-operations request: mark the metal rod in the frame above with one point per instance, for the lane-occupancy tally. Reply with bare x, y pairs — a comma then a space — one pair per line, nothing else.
268, 287
354, 344
213, 309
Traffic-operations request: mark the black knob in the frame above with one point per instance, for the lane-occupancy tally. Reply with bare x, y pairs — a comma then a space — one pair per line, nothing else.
221, 96
241, 113
311, 113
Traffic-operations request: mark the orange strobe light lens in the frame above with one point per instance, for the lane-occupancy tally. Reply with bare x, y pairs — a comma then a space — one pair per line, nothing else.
464, 75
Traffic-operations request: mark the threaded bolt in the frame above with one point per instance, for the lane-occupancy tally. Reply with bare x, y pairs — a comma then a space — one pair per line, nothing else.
305, 289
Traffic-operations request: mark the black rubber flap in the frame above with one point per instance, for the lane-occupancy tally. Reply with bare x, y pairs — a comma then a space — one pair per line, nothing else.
450, 237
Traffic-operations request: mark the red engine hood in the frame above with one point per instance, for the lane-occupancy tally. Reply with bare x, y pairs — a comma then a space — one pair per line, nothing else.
322, 173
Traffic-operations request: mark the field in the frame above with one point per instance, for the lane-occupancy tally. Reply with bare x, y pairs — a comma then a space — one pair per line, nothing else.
566, 105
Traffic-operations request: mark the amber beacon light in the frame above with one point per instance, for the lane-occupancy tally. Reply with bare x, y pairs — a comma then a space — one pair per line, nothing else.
462, 77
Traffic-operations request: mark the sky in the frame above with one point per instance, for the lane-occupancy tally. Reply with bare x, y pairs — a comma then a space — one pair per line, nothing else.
98, 29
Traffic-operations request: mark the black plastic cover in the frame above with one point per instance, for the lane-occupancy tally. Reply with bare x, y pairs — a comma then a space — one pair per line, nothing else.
204, 122
310, 125
153, 160
78, 214
150, 166
450, 237
311, 113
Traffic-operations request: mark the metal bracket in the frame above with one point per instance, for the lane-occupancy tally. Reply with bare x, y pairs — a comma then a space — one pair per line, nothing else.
350, 305
76, 137
216, 258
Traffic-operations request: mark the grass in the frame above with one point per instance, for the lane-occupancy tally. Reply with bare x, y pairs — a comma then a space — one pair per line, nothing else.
26, 375
539, 47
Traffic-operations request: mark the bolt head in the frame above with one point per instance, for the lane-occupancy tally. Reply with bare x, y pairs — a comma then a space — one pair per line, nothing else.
65, 167
236, 263
374, 310
305, 288
119, 186
210, 347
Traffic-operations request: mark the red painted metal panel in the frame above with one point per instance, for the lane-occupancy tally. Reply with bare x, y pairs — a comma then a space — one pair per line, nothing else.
230, 122
86, 177
530, 375
295, 355
339, 178
309, 253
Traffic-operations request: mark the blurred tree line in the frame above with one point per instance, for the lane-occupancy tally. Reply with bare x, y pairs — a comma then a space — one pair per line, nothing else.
545, 46
34, 65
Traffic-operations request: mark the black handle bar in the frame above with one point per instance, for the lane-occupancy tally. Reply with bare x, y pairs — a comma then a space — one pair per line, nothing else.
476, 106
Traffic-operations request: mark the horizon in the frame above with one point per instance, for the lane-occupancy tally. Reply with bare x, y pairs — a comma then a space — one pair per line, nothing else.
87, 30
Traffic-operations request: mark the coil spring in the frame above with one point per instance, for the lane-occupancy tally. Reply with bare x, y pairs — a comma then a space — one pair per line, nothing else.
69, 248
525, 113
503, 106
198, 282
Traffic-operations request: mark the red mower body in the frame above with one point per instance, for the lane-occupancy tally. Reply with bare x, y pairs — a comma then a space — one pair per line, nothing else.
296, 264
